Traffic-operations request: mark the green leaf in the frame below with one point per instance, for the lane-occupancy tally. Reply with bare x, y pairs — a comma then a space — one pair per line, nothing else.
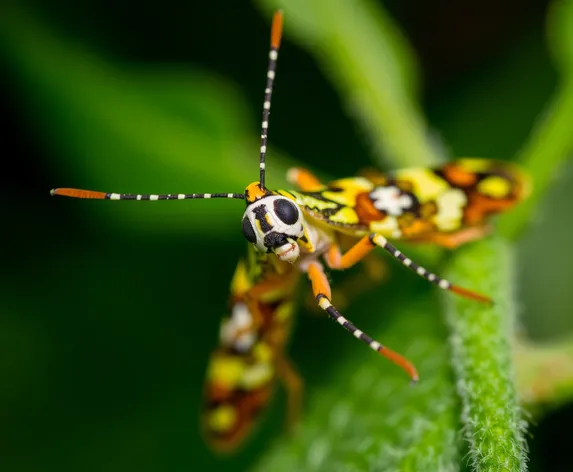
372, 419
364, 54
480, 339
120, 128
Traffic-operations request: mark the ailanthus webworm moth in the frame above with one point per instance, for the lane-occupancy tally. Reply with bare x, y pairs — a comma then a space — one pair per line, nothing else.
296, 232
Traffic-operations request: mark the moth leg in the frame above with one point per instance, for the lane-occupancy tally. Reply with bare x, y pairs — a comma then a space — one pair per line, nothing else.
337, 261
322, 293
373, 273
294, 387
303, 179
453, 240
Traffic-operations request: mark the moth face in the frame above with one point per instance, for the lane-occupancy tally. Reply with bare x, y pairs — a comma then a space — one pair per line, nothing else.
273, 224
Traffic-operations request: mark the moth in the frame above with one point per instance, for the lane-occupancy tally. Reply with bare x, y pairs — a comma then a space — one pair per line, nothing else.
296, 233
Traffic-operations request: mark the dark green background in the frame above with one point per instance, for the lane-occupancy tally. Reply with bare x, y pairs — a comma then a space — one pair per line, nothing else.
105, 327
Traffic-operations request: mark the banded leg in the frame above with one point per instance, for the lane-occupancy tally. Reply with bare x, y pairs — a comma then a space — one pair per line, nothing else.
321, 290
303, 179
293, 385
337, 261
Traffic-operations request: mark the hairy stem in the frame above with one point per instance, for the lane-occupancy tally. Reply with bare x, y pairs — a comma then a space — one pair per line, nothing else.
480, 341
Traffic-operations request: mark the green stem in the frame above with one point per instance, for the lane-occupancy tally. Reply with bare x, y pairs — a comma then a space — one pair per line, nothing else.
480, 341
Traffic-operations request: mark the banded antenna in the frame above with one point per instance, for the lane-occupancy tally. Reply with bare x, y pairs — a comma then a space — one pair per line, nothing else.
276, 34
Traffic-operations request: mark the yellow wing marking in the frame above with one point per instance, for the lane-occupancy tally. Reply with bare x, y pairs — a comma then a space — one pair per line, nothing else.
351, 188
257, 375
450, 209
226, 371
426, 185
387, 227
345, 215
495, 187
240, 282
222, 418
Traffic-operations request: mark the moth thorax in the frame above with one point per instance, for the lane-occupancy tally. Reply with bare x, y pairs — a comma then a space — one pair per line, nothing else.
274, 224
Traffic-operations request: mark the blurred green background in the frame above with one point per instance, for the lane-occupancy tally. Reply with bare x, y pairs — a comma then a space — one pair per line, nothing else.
109, 310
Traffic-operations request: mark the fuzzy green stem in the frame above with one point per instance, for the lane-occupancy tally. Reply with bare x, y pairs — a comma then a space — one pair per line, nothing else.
480, 340
361, 50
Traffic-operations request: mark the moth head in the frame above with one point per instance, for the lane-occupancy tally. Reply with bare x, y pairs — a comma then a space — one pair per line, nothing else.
274, 224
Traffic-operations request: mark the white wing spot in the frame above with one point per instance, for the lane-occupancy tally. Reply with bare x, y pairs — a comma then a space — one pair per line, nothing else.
390, 200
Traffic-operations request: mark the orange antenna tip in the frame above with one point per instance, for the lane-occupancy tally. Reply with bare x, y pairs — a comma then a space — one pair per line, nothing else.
277, 29
77, 193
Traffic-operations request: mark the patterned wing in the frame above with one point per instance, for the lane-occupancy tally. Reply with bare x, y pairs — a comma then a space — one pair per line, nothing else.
242, 370
416, 202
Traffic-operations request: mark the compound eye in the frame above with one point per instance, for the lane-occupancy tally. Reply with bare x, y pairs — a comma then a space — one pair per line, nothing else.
249, 231
286, 210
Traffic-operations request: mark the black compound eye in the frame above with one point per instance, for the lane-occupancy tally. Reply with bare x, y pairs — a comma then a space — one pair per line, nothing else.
286, 210
248, 231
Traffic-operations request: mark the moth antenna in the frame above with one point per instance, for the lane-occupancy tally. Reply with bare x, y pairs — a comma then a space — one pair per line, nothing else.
78, 193
276, 35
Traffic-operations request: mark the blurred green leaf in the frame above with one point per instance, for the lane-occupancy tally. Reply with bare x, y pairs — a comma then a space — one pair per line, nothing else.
544, 373
551, 141
372, 419
368, 60
120, 128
